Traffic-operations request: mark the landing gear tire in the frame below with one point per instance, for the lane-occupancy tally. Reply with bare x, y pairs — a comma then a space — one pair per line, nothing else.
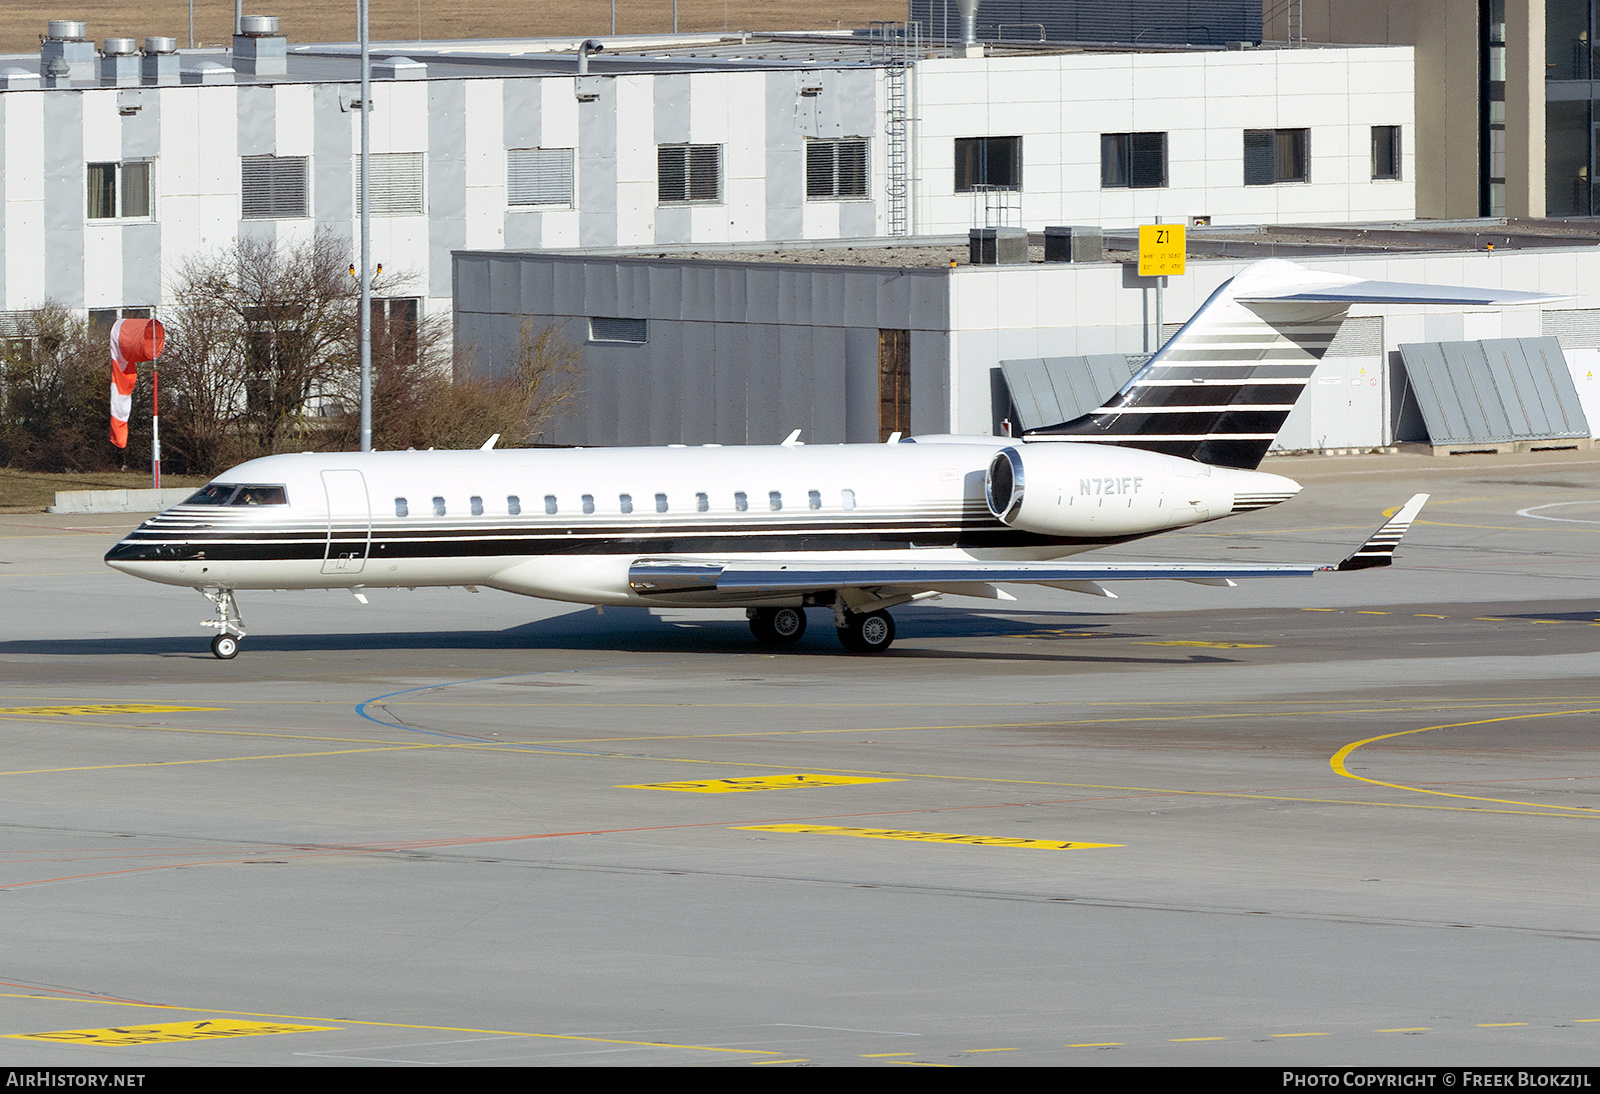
869, 632
778, 626
225, 647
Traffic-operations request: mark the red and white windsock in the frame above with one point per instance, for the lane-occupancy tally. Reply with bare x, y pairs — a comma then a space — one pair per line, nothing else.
132, 341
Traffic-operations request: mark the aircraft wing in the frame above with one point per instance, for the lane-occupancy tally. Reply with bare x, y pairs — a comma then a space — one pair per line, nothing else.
742, 579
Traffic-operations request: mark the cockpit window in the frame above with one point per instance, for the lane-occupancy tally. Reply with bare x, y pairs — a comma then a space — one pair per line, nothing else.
260, 495
215, 493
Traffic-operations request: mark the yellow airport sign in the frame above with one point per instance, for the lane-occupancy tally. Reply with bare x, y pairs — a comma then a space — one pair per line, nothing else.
925, 837
166, 1032
757, 782
1162, 249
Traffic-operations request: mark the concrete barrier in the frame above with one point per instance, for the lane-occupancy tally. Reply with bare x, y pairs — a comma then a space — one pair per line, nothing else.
117, 501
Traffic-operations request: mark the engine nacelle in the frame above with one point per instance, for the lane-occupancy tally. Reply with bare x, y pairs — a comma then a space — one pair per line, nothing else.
1093, 490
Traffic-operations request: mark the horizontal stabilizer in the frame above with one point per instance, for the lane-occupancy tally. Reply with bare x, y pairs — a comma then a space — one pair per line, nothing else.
1399, 292
1379, 548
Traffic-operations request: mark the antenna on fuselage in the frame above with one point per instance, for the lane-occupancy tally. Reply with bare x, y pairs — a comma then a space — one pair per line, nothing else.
488, 444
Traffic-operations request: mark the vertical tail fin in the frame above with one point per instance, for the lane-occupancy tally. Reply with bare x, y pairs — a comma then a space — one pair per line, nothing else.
1220, 389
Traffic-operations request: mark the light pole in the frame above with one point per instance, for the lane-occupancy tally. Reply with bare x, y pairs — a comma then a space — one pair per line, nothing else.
365, 318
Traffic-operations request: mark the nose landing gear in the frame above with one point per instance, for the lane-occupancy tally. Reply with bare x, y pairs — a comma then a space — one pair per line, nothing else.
228, 624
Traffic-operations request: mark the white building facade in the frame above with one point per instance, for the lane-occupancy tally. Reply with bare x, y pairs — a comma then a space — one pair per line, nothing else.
108, 185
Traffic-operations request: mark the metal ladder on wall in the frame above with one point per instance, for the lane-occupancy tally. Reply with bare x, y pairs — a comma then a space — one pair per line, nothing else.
894, 46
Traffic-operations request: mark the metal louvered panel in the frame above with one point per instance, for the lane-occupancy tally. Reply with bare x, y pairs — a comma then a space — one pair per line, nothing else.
539, 176
688, 173
836, 169
396, 181
1499, 389
1050, 390
611, 329
273, 187
1574, 328
1360, 336
1195, 22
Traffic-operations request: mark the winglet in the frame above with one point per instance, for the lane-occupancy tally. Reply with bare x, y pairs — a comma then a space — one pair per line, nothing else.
791, 440
1379, 548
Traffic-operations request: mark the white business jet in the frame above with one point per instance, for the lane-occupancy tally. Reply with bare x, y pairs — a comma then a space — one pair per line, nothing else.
854, 529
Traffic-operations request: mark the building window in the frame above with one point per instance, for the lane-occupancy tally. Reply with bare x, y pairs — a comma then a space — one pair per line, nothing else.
395, 183
836, 169
1386, 151
1134, 160
688, 173
539, 176
274, 187
119, 190
988, 163
610, 329
1276, 155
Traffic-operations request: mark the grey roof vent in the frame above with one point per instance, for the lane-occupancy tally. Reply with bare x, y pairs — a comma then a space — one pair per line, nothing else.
18, 78
208, 72
120, 47
398, 68
160, 45
67, 30
258, 26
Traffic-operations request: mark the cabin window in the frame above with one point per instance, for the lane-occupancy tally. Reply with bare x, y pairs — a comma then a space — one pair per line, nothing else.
400, 508
626, 501
702, 503
477, 505
814, 498
513, 505
775, 499
438, 507
847, 498
741, 501
550, 507
588, 503
661, 503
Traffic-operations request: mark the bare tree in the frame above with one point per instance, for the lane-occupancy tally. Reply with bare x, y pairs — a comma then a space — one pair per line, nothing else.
55, 372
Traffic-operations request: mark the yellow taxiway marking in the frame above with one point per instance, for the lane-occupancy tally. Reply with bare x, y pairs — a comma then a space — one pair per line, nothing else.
343, 1022
1337, 762
758, 782
1364, 612
1421, 616
884, 1055
103, 708
1209, 645
925, 837
123, 1036
795, 1060
218, 760
1098, 1044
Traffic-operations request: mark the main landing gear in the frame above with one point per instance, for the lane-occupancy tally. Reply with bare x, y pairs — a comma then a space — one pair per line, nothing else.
777, 626
228, 624
859, 632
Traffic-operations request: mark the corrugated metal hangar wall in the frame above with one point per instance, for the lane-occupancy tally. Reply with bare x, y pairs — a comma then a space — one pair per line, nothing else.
719, 352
